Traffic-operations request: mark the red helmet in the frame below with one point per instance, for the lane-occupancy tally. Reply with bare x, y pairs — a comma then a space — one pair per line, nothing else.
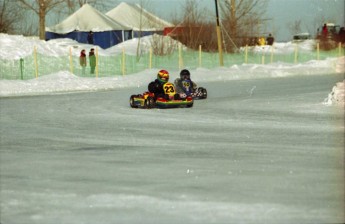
163, 76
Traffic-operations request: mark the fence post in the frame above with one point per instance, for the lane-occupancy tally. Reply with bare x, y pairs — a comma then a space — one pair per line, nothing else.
96, 62
70, 60
123, 67
263, 59
180, 59
246, 54
35, 61
200, 61
296, 53
339, 46
21, 68
150, 58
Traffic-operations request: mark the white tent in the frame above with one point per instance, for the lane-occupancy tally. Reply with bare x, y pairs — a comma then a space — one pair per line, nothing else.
87, 19
137, 18
107, 32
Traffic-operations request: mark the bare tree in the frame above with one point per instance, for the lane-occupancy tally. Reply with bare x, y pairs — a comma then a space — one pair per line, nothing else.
295, 27
242, 19
41, 8
194, 27
58, 7
9, 17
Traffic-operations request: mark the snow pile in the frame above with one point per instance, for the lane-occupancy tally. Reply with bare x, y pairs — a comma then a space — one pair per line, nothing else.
144, 43
283, 48
14, 47
337, 96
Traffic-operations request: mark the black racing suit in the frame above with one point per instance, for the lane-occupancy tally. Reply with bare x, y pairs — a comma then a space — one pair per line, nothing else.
156, 87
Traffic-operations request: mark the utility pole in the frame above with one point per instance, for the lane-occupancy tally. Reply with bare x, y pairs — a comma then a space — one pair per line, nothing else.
219, 37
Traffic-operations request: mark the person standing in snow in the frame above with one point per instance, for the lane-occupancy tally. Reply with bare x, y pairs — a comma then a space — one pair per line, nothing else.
92, 59
82, 61
90, 37
324, 30
270, 40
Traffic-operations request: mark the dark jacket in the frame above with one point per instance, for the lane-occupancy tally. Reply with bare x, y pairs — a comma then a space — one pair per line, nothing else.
90, 38
156, 87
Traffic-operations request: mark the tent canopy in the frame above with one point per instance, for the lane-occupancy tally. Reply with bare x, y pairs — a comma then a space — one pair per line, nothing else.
87, 19
137, 18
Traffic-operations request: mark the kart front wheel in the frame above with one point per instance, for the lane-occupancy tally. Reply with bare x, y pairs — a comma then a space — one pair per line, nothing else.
150, 102
132, 102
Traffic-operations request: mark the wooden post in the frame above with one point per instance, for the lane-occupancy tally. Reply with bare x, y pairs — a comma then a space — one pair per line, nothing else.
339, 47
246, 54
200, 61
35, 61
96, 62
70, 60
296, 53
123, 62
219, 37
150, 58
263, 59
180, 59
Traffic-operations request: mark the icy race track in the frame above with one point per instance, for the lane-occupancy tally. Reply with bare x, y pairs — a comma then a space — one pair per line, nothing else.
256, 151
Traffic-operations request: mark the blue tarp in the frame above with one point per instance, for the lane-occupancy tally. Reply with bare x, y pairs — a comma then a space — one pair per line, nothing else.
104, 39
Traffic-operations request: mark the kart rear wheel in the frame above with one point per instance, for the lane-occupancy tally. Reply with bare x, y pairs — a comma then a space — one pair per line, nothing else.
150, 102
204, 93
132, 102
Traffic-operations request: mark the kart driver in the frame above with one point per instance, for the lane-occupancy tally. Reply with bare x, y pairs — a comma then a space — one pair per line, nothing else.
156, 86
184, 84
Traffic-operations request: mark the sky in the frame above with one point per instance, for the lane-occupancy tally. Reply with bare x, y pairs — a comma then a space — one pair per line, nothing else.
281, 12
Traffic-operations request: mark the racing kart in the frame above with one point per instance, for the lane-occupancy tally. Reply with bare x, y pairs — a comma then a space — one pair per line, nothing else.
186, 89
170, 99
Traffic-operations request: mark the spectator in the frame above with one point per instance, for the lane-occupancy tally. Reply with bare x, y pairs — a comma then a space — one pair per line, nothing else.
270, 40
82, 61
90, 37
92, 59
324, 30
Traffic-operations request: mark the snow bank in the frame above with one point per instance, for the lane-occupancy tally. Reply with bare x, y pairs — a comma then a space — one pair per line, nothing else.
337, 96
17, 46
283, 48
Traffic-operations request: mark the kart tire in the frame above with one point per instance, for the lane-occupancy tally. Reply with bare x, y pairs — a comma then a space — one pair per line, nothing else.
204, 93
131, 102
189, 105
150, 102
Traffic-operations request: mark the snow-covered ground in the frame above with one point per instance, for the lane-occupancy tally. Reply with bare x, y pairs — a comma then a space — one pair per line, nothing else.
15, 47
266, 146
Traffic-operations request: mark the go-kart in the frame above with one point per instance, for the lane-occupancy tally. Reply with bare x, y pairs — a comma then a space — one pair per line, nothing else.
186, 89
169, 99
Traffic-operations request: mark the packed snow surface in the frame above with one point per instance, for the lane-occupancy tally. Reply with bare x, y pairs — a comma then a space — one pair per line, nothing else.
266, 146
